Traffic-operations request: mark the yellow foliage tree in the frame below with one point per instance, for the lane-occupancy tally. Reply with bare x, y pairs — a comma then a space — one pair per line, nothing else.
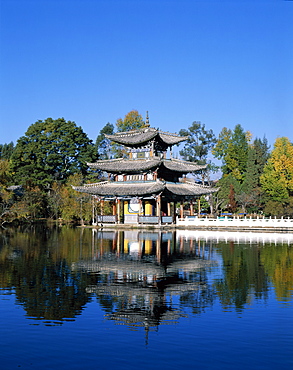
277, 177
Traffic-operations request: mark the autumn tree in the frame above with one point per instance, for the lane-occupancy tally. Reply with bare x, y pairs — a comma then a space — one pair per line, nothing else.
74, 206
31, 205
132, 121
54, 200
277, 178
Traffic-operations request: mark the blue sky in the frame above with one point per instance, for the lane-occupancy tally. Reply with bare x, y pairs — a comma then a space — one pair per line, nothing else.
91, 61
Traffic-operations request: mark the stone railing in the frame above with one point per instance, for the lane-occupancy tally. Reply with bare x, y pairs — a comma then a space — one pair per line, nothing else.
107, 219
236, 222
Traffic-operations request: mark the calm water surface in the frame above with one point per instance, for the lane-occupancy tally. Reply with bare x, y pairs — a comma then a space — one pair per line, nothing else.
86, 299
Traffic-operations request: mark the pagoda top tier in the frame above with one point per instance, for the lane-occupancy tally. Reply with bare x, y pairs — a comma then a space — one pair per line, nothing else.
145, 135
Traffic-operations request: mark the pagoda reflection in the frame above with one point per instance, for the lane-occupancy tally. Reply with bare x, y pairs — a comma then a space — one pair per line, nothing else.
146, 279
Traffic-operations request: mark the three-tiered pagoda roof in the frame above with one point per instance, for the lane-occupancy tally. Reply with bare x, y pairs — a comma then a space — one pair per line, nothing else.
147, 172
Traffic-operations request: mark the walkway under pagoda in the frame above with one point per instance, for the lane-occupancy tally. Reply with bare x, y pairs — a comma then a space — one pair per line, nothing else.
142, 211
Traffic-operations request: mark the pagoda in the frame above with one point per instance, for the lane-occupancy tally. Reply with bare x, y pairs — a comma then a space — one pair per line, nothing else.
145, 187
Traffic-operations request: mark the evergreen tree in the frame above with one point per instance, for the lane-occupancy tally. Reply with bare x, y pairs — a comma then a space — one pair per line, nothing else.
251, 194
232, 205
6, 196
6, 150
223, 197
232, 149
51, 150
103, 145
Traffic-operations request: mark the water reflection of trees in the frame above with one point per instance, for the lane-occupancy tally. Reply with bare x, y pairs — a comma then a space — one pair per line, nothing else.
244, 275
249, 272
140, 278
43, 285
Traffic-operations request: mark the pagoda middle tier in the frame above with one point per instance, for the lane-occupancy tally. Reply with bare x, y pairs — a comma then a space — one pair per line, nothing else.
168, 169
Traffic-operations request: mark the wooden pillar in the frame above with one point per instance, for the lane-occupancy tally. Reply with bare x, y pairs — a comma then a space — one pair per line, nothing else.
168, 209
93, 212
114, 208
174, 212
191, 208
199, 207
102, 206
118, 211
181, 209
118, 243
158, 211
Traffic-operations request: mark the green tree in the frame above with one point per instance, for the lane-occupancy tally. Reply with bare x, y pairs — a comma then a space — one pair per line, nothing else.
103, 145
251, 195
232, 149
51, 150
5, 195
258, 154
6, 150
232, 205
229, 189
198, 146
243, 275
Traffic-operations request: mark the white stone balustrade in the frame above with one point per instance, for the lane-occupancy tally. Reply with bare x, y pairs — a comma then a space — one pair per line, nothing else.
235, 222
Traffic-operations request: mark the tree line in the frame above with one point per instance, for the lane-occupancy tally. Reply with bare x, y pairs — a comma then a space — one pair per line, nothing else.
37, 173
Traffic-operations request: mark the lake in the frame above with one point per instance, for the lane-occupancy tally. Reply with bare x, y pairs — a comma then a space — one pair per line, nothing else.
81, 298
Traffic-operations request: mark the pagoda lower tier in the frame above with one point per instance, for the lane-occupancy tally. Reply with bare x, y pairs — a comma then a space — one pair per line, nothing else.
144, 202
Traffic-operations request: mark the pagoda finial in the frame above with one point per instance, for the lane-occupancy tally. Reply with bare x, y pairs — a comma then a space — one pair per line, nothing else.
147, 121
